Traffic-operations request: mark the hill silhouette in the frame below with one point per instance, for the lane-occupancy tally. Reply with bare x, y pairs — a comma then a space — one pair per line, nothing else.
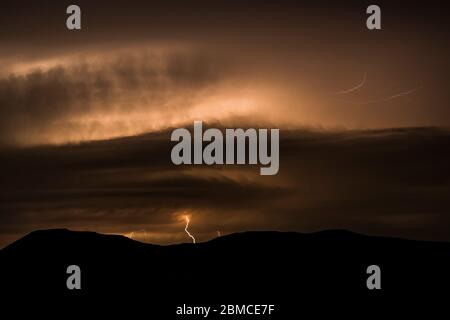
251, 267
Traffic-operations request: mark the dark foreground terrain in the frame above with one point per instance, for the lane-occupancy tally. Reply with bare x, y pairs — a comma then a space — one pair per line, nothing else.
320, 272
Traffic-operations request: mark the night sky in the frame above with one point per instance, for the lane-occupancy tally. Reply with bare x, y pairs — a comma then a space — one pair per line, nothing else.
86, 117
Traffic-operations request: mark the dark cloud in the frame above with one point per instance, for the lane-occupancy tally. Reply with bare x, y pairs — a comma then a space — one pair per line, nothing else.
392, 182
45, 101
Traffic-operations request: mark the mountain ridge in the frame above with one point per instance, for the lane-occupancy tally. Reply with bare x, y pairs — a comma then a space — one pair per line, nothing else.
282, 268
57, 233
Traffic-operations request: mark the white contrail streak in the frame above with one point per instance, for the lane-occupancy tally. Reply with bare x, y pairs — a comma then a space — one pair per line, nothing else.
384, 99
187, 231
359, 85
394, 96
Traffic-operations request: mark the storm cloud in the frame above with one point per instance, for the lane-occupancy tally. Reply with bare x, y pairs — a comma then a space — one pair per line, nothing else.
81, 96
391, 182
86, 117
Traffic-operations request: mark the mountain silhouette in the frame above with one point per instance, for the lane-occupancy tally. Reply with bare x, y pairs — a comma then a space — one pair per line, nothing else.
278, 268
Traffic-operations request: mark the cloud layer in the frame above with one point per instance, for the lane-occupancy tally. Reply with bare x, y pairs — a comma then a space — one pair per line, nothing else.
391, 182
106, 96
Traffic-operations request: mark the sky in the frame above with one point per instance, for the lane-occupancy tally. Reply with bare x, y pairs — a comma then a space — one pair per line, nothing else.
86, 116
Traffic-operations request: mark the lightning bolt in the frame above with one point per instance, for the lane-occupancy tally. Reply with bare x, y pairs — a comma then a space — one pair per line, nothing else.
136, 234
186, 229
